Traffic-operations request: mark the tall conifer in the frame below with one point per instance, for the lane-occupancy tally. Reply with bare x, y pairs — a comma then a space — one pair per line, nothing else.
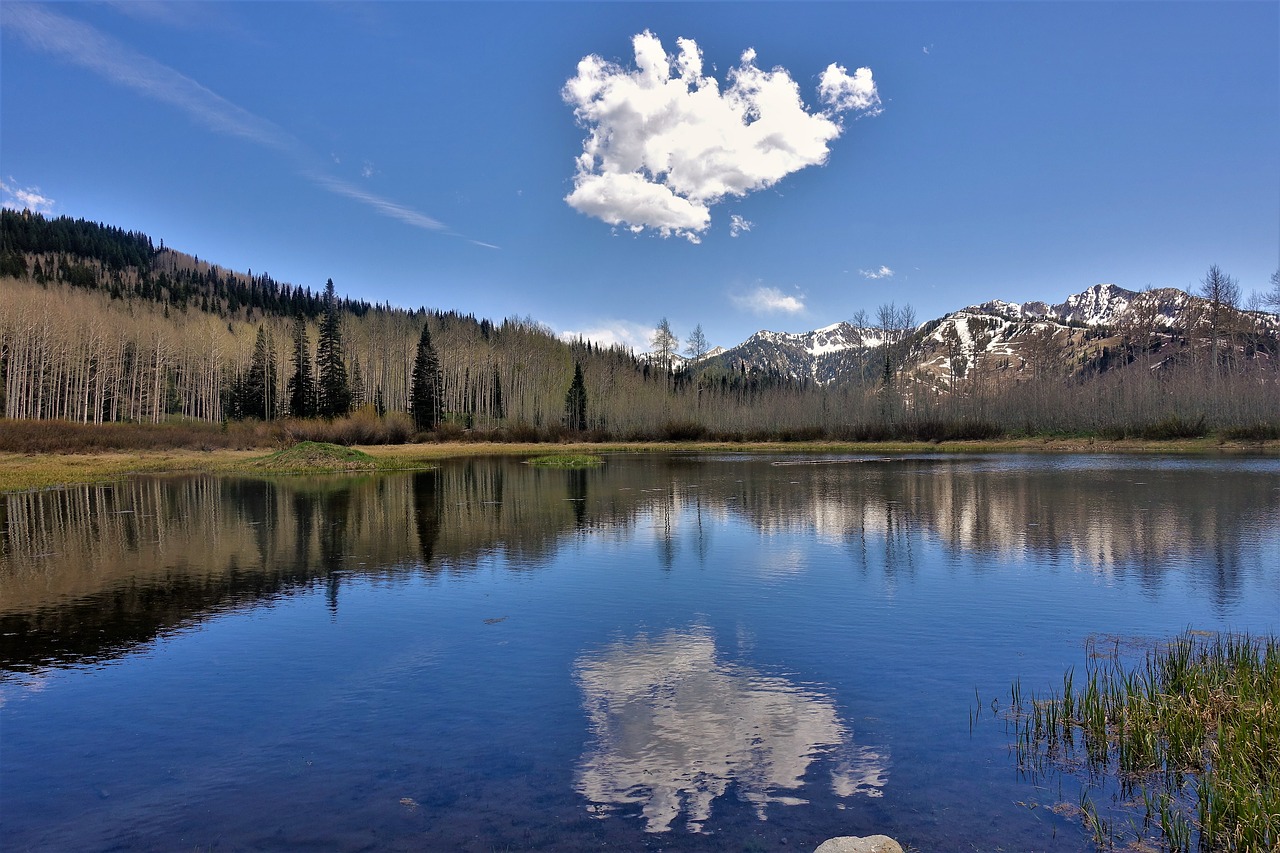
333, 398
575, 402
425, 393
259, 390
302, 390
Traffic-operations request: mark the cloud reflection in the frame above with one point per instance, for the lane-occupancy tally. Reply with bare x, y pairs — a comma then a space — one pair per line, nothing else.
673, 728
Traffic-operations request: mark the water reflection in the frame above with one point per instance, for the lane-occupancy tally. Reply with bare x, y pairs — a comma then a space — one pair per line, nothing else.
91, 571
674, 726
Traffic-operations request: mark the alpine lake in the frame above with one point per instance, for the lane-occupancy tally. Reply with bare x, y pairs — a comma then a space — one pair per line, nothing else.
669, 651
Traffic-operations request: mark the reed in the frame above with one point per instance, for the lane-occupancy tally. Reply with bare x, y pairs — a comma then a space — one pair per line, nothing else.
1191, 734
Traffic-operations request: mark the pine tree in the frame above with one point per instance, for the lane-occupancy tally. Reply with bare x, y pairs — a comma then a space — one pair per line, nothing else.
424, 397
358, 393
258, 394
575, 402
499, 410
302, 391
333, 397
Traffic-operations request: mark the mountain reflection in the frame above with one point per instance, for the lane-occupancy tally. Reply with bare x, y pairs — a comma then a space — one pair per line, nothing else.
674, 727
92, 571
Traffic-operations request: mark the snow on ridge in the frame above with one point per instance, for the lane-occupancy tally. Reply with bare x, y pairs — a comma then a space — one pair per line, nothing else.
1100, 305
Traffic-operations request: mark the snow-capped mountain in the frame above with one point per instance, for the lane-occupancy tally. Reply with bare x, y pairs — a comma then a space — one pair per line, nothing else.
1100, 305
823, 355
1008, 338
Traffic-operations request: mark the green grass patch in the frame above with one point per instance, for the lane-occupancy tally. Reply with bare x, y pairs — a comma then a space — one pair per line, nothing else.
1188, 741
309, 456
567, 460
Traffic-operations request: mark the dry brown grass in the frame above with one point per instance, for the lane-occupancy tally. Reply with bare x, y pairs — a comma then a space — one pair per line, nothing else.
45, 454
38, 469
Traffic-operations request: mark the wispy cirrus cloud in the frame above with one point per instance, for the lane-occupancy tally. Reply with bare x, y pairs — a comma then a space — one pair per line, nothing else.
83, 45
386, 207
883, 272
24, 198
769, 300
665, 143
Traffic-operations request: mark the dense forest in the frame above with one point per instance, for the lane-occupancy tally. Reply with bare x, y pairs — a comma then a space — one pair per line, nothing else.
99, 325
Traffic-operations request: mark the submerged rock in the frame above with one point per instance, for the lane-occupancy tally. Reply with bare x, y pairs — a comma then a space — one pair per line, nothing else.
860, 844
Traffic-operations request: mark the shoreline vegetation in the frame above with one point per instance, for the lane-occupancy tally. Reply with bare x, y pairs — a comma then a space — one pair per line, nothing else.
1187, 736
44, 454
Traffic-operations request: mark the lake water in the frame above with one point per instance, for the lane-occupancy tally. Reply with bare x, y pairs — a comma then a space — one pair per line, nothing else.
668, 652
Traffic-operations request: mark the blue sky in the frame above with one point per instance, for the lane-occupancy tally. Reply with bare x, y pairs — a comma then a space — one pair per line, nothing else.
432, 153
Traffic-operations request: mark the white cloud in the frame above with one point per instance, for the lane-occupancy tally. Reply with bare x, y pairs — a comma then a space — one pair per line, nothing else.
633, 202
81, 44
607, 333
394, 210
664, 142
769, 300
737, 225
25, 198
883, 272
367, 170
845, 93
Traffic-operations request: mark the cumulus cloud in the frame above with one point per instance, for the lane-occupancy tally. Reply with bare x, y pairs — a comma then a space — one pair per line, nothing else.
607, 333
737, 225
769, 300
664, 141
24, 198
883, 272
845, 92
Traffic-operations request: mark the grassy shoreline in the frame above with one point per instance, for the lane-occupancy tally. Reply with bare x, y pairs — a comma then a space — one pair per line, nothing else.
20, 472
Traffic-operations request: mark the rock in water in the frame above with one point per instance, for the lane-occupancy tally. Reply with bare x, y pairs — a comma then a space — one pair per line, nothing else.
860, 844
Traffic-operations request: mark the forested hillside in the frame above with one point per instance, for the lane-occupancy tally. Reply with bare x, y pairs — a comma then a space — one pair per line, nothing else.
98, 324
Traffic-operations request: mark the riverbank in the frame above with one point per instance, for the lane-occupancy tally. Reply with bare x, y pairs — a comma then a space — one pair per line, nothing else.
20, 472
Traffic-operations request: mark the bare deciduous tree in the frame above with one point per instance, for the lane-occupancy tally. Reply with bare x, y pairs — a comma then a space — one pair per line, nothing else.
664, 343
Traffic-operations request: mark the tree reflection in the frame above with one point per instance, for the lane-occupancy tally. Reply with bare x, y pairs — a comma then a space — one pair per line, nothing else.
674, 727
163, 551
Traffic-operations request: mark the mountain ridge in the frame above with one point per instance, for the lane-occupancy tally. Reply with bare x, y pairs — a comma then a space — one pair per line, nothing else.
1090, 332
984, 330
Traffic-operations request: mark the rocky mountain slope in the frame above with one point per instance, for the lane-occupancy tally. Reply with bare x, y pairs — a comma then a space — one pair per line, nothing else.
1001, 337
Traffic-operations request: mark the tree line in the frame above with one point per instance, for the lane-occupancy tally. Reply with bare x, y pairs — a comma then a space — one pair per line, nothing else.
88, 337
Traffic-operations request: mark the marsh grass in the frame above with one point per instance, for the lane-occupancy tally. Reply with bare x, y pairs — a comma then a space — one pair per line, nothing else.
1188, 740
80, 454
567, 460
313, 456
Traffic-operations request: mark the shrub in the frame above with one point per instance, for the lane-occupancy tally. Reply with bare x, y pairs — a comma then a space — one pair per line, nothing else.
1253, 432
1172, 428
681, 431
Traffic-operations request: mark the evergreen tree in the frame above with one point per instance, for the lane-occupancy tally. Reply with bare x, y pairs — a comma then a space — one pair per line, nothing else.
575, 402
258, 394
333, 392
302, 390
358, 393
424, 398
499, 410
